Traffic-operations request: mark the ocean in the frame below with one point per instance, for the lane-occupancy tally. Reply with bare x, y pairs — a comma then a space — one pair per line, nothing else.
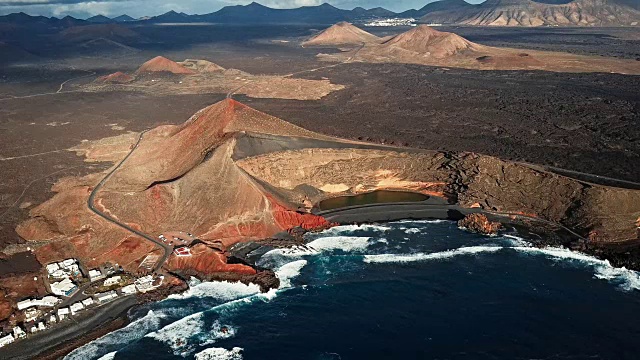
399, 290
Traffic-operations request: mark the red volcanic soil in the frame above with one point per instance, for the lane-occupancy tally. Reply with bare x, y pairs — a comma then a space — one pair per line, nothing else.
116, 78
162, 64
426, 40
205, 260
342, 33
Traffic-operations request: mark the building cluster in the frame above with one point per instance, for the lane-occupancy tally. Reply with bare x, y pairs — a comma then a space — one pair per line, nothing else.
62, 276
42, 313
392, 22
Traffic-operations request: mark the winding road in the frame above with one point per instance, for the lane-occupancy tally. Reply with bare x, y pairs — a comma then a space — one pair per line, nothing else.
91, 204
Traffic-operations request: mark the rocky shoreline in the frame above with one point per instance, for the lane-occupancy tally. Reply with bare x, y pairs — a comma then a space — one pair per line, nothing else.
539, 233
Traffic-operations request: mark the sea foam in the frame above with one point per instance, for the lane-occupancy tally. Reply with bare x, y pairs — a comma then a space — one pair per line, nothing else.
405, 258
220, 354
119, 338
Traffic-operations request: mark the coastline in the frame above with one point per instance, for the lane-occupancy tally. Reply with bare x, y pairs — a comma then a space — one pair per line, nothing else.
114, 315
61, 340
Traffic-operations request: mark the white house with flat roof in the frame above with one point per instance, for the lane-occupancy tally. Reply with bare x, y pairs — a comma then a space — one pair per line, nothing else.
114, 280
6, 340
63, 313
87, 302
18, 332
76, 308
129, 289
106, 296
64, 288
47, 301
41, 326
95, 274
51, 268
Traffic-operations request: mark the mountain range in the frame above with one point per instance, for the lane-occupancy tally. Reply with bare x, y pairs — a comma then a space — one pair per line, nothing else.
459, 12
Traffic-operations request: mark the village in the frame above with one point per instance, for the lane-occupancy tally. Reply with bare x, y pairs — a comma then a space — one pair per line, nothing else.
74, 289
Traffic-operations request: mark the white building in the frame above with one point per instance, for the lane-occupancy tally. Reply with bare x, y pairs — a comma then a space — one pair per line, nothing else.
67, 263
6, 340
76, 308
129, 289
53, 319
146, 283
87, 302
95, 274
63, 313
51, 268
59, 274
106, 296
33, 329
64, 288
18, 332
112, 281
41, 326
31, 314
47, 301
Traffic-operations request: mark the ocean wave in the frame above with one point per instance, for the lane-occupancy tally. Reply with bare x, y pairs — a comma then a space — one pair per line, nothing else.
432, 221
289, 271
626, 279
342, 229
119, 338
344, 243
183, 335
405, 258
220, 354
109, 356
222, 290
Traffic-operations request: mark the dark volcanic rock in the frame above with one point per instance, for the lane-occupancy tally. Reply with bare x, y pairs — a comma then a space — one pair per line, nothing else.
479, 223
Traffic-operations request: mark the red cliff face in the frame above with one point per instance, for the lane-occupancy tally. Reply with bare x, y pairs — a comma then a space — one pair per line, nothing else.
205, 260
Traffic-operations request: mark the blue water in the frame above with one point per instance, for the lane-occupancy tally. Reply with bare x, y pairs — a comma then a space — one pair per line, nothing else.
402, 290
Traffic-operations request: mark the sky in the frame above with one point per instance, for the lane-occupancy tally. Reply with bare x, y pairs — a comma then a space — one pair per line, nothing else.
139, 8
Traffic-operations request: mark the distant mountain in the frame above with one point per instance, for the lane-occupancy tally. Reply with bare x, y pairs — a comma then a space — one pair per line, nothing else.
123, 18
255, 13
540, 13
23, 19
173, 17
442, 5
99, 19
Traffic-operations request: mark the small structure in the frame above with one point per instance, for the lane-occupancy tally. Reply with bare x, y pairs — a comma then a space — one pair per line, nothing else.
67, 263
6, 340
106, 296
147, 283
87, 302
182, 251
18, 332
52, 319
59, 274
76, 308
64, 288
33, 329
31, 314
51, 268
95, 274
129, 289
41, 326
63, 313
115, 280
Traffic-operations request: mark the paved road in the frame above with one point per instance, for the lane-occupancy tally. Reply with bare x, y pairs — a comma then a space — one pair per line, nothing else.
165, 247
